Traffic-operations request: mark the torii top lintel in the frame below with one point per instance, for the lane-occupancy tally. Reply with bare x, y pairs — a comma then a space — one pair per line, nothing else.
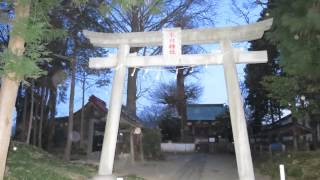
188, 36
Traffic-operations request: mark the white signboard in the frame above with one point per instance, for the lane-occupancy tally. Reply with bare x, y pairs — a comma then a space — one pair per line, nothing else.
212, 139
171, 45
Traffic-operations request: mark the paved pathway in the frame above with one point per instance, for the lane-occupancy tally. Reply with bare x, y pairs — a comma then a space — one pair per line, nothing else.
186, 167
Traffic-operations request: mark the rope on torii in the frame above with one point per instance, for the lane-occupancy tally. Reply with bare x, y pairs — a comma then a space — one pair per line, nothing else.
171, 41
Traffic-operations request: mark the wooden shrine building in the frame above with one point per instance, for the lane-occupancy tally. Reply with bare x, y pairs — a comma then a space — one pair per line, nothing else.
95, 112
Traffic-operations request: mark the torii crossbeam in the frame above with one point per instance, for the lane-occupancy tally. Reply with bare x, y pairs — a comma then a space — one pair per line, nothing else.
171, 40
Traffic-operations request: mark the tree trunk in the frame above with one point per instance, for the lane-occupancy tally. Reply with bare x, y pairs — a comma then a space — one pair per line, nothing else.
45, 121
132, 91
132, 80
31, 113
51, 124
132, 151
295, 140
314, 126
279, 111
132, 86
82, 112
90, 136
272, 112
44, 96
141, 147
318, 132
36, 123
9, 89
19, 106
67, 150
24, 118
181, 104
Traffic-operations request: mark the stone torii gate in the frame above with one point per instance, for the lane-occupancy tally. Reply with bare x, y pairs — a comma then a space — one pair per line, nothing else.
171, 40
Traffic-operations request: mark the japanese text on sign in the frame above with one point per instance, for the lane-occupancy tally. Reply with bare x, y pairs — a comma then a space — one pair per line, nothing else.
171, 41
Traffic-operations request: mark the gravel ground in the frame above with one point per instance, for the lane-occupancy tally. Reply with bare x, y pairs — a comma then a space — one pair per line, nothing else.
185, 167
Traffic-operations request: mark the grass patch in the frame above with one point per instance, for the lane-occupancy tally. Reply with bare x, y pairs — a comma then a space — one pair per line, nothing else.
133, 177
31, 163
298, 165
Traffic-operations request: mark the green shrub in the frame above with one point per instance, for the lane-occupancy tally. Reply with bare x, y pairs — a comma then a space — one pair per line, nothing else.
294, 171
133, 177
302, 165
151, 144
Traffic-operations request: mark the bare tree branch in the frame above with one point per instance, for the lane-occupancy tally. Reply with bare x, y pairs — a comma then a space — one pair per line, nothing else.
247, 10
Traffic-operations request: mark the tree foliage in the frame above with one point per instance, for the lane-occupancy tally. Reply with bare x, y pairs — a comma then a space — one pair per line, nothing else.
169, 126
296, 31
153, 15
36, 31
151, 144
166, 93
263, 109
169, 95
222, 126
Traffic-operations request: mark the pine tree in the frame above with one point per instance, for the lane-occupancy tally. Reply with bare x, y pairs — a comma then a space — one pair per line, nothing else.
263, 109
74, 19
297, 36
296, 32
26, 52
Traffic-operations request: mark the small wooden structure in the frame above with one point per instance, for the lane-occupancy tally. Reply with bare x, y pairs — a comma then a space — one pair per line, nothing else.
288, 131
95, 111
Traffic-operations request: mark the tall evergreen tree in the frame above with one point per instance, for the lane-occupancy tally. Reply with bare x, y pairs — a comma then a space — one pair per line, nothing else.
25, 57
20, 60
296, 32
74, 19
263, 109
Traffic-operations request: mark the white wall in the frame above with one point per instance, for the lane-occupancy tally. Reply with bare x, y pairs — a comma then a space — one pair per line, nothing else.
177, 147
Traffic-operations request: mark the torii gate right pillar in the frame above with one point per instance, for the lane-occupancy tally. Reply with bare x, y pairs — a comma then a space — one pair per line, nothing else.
238, 121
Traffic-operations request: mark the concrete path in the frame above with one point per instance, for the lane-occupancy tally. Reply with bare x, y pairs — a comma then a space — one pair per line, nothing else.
186, 167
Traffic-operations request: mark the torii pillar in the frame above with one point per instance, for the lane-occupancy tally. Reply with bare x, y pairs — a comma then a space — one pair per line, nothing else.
172, 57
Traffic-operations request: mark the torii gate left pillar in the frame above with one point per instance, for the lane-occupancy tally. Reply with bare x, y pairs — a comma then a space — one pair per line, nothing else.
229, 57
113, 118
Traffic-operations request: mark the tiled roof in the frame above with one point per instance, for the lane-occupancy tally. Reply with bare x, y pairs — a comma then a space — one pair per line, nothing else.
204, 112
99, 103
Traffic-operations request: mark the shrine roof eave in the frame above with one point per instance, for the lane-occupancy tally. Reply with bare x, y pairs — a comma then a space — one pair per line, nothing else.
188, 36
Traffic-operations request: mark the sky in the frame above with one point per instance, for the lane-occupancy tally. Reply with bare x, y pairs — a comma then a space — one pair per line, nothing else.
211, 77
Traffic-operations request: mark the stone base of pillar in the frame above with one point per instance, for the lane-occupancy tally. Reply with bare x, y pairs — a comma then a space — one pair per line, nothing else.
104, 177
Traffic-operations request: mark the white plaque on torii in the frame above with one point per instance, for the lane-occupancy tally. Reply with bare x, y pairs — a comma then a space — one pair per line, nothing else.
172, 40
